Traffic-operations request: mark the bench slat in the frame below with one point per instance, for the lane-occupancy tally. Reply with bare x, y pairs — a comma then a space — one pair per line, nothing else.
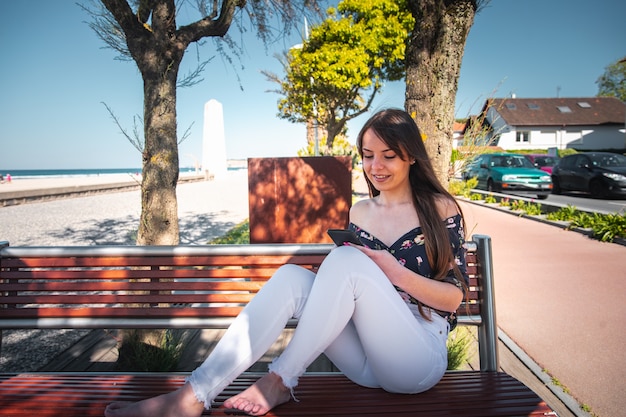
42, 287
170, 261
476, 394
147, 313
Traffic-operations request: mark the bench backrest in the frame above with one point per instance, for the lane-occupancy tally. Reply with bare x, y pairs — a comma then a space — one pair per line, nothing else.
154, 286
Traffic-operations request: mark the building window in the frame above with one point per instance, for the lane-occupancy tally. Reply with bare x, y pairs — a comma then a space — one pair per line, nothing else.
523, 136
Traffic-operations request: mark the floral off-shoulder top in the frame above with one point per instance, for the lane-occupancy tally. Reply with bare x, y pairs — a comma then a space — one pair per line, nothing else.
410, 251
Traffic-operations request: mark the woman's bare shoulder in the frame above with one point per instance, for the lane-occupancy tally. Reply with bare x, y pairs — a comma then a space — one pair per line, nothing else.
446, 207
360, 210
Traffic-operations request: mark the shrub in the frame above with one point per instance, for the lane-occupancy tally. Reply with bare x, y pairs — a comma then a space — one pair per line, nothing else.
458, 344
563, 214
462, 188
490, 199
150, 351
607, 227
604, 227
532, 209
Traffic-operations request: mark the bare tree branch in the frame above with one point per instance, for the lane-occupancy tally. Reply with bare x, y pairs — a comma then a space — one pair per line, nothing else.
137, 139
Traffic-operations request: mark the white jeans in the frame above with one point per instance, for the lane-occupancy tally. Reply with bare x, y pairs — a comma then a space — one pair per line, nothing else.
349, 311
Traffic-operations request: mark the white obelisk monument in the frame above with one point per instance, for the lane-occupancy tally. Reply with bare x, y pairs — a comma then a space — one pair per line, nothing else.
213, 140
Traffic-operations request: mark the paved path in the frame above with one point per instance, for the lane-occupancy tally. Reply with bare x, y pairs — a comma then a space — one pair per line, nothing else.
560, 297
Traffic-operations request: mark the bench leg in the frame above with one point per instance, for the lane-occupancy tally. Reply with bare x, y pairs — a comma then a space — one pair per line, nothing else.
488, 330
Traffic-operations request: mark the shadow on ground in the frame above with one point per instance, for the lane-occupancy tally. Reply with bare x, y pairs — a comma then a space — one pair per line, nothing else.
194, 230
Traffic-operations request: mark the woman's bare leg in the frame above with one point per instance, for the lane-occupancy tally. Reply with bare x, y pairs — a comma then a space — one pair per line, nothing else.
265, 394
179, 403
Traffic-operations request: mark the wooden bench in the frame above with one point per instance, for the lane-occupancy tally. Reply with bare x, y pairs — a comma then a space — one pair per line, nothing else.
115, 287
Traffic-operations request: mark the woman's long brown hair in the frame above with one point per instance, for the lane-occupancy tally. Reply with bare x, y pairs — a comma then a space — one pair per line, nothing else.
398, 130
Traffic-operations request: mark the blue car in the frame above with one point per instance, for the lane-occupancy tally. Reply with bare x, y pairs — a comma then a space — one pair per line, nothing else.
509, 173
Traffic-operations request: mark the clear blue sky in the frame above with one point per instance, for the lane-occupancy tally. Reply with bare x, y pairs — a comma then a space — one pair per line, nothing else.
55, 75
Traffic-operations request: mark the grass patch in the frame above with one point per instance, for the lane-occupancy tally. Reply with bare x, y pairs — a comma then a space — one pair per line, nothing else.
150, 350
238, 235
458, 343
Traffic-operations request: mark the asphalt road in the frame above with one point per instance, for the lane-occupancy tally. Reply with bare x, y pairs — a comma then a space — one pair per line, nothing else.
587, 203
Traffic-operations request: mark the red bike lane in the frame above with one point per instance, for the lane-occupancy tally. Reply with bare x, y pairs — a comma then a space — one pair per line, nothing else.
560, 298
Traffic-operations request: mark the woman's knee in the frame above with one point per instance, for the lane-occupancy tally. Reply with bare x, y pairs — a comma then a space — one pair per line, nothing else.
342, 259
293, 276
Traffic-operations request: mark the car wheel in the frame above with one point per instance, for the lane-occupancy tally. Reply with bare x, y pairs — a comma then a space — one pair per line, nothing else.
490, 185
598, 189
556, 186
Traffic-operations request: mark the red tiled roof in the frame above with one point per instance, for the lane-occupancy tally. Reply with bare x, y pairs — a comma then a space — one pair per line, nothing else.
586, 111
459, 126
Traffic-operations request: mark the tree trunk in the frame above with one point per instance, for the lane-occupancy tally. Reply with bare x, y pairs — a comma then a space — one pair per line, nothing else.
158, 54
433, 63
159, 207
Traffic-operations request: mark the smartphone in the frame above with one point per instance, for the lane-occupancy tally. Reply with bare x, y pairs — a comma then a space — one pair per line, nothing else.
340, 236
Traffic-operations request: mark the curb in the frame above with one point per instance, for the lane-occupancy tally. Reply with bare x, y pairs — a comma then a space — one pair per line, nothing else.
546, 379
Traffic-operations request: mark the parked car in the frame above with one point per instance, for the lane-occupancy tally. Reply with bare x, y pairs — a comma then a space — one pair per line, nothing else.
509, 173
542, 161
602, 174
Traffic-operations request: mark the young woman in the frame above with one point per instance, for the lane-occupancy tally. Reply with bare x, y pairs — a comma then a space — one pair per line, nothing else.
380, 312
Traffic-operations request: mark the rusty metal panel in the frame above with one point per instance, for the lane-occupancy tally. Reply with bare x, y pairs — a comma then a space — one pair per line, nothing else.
295, 200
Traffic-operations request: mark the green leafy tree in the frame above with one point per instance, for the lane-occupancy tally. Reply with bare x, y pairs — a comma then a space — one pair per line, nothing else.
335, 75
147, 32
613, 82
433, 63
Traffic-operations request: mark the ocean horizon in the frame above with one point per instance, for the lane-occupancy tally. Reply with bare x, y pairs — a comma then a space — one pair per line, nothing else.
61, 173
91, 172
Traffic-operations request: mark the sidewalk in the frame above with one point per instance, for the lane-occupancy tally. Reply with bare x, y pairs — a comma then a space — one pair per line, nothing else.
559, 297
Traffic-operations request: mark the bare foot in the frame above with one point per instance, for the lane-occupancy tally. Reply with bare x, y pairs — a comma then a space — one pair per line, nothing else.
179, 403
258, 399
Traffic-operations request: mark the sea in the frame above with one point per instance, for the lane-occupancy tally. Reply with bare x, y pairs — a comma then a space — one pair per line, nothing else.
60, 173
92, 172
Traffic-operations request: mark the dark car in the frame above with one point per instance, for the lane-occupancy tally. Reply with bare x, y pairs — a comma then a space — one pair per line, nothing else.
509, 173
543, 162
602, 174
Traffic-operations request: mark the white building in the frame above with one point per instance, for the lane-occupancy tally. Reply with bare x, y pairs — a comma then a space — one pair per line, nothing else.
214, 161
584, 124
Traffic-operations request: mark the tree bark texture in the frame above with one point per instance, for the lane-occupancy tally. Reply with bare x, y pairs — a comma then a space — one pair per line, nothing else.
433, 63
